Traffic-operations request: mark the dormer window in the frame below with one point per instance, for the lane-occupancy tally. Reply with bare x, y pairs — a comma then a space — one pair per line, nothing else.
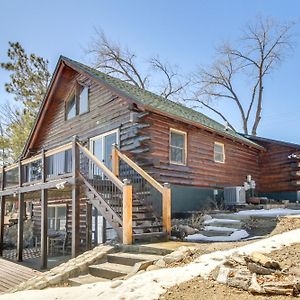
78, 103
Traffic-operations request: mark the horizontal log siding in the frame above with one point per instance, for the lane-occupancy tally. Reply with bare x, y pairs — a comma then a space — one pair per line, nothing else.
277, 170
106, 112
201, 170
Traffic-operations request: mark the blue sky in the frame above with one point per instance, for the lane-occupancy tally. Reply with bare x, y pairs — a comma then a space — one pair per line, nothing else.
183, 32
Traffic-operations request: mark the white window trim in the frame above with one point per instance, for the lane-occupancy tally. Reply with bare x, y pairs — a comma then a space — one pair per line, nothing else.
102, 136
55, 206
184, 133
223, 150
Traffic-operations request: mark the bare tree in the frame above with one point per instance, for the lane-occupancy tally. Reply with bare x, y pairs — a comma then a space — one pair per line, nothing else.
113, 59
262, 47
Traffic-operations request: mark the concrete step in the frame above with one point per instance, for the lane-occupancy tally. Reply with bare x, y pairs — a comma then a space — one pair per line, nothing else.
130, 259
227, 224
109, 270
85, 279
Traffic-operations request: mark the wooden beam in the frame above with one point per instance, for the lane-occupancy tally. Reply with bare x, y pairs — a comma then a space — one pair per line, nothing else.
115, 160
166, 199
44, 217
89, 216
37, 187
2, 214
75, 200
21, 204
20, 227
104, 236
44, 228
127, 213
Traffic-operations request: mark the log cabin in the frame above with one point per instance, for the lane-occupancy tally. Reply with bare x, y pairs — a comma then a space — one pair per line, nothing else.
103, 147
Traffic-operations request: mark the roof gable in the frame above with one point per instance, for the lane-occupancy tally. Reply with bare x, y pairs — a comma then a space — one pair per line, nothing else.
142, 97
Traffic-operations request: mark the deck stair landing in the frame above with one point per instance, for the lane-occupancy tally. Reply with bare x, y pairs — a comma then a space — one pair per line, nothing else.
12, 274
116, 265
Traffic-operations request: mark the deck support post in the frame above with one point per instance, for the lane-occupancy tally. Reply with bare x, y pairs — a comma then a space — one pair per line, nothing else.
2, 212
21, 218
104, 237
44, 217
127, 213
89, 216
75, 199
166, 199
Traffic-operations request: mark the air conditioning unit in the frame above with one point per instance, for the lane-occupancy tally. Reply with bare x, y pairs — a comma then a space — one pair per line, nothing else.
235, 195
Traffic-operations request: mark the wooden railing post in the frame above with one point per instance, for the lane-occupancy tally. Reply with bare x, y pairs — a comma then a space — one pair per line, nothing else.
75, 199
115, 160
21, 204
44, 216
2, 213
166, 199
127, 212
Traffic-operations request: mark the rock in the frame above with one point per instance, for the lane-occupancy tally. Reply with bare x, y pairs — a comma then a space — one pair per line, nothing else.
160, 263
116, 284
72, 271
263, 260
240, 279
152, 268
54, 280
188, 230
174, 257
260, 270
254, 287
206, 218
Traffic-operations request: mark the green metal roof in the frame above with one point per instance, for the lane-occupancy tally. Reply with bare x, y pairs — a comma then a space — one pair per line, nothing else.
162, 104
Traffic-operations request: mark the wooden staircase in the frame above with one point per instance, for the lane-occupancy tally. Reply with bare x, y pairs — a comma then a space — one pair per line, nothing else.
135, 204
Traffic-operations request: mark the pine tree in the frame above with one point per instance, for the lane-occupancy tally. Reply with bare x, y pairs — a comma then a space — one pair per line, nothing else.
29, 79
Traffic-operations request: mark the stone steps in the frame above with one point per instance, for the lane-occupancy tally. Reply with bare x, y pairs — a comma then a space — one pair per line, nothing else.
130, 259
109, 270
85, 279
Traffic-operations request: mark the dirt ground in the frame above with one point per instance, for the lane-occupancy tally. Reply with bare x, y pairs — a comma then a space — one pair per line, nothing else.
199, 288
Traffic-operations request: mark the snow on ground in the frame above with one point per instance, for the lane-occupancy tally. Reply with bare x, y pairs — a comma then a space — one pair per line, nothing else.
275, 212
150, 285
237, 235
216, 228
223, 221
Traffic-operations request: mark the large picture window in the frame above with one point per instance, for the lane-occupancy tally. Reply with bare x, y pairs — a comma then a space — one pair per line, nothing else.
178, 145
219, 152
78, 103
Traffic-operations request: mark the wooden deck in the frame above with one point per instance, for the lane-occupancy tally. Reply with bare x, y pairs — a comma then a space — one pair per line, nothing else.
12, 274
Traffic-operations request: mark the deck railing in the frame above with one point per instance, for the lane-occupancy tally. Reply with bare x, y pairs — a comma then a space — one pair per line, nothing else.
58, 163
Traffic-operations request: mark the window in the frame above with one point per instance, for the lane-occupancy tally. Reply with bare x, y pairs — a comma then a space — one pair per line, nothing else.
84, 100
219, 152
71, 108
78, 103
178, 147
57, 217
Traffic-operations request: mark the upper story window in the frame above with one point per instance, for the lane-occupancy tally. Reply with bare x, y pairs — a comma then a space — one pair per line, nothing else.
219, 152
178, 147
78, 103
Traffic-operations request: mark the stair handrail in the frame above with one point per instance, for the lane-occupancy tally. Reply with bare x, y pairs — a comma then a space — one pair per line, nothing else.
110, 175
139, 170
164, 189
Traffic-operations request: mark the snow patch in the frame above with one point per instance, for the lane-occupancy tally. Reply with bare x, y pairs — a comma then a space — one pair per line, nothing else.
275, 212
235, 236
223, 221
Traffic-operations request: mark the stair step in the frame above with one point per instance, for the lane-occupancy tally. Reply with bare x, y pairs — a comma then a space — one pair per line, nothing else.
150, 236
109, 270
147, 226
85, 279
130, 259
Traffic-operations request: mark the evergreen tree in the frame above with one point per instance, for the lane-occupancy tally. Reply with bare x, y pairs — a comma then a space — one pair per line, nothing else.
29, 79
